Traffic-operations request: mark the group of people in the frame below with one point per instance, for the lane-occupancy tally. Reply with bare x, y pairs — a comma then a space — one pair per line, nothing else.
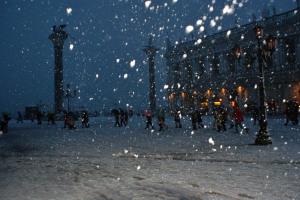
121, 117
221, 115
161, 119
70, 119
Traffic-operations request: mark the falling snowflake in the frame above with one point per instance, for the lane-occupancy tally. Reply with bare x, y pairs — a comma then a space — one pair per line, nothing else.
189, 29
71, 47
125, 76
213, 23
69, 11
202, 28
211, 141
227, 10
147, 3
199, 22
228, 33
132, 63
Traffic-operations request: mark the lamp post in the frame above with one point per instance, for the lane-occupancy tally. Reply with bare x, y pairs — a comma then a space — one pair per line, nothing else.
265, 50
70, 94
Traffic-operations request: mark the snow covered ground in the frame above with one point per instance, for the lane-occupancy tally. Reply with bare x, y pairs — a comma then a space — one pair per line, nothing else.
104, 162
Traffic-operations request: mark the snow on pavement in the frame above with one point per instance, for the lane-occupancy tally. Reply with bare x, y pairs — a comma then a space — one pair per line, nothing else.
104, 162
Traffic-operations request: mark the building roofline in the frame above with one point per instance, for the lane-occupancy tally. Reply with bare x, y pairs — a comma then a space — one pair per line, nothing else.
242, 27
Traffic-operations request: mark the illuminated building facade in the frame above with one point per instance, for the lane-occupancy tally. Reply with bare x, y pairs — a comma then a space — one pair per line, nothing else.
223, 66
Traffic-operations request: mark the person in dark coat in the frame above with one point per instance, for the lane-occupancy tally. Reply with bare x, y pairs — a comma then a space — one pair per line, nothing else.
116, 114
4, 122
194, 118
122, 117
39, 116
148, 116
295, 113
221, 118
238, 118
161, 120
177, 118
126, 118
85, 119
199, 119
69, 121
255, 114
51, 118
288, 112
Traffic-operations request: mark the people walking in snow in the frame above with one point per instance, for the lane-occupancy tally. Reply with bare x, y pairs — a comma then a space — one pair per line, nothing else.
51, 118
126, 118
161, 120
39, 116
148, 116
177, 118
194, 118
4, 122
122, 117
85, 119
199, 119
69, 121
116, 114
221, 118
238, 118
255, 114
291, 112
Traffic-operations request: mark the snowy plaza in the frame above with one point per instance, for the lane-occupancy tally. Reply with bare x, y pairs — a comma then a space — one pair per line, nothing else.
150, 100
106, 162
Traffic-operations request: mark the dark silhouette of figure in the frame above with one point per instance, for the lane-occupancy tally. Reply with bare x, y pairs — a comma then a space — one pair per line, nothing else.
199, 119
122, 117
221, 118
161, 120
291, 112
39, 116
177, 118
238, 118
20, 117
65, 119
69, 120
148, 116
194, 118
85, 119
126, 117
4, 122
51, 118
116, 114
255, 114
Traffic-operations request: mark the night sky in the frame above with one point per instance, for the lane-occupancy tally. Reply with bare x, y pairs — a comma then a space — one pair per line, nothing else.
107, 35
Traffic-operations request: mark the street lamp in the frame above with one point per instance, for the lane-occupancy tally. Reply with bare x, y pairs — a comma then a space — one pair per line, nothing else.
70, 94
265, 50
